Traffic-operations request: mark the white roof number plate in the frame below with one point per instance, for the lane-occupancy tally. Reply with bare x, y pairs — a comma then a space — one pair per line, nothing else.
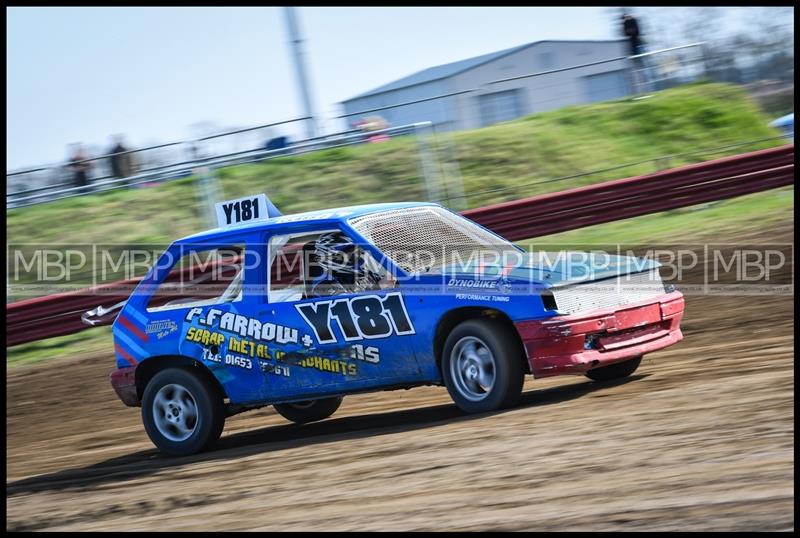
249, 208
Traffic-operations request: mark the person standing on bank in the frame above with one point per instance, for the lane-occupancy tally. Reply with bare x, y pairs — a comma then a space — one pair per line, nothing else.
121, 161
631, 30
80, 167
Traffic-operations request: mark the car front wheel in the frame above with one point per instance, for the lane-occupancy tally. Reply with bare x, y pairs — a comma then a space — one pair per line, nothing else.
483, 365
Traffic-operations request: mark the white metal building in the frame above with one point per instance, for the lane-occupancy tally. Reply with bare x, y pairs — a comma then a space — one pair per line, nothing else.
559, 84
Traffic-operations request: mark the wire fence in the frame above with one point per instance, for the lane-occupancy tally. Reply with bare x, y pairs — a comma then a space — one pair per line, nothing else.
646, 72
38, 183
202, 168
438, 155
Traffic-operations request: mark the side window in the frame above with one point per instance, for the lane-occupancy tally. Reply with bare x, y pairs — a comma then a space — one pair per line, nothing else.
321, 264
214, 275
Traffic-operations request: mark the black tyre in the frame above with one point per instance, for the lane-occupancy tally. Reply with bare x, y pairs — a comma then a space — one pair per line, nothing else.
183, 413
615, 371
309, 410
483, 365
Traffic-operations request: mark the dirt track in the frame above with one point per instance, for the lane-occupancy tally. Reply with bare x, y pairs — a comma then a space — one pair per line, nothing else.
700, 438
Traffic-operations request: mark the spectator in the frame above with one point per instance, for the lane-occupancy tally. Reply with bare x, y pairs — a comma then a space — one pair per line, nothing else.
276, 143
80, 167
631, 30
358, 125
121, 162
375, 124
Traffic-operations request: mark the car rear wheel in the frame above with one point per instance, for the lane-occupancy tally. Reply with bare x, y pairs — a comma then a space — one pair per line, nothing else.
482, 365
183, 413
615, 371
309, 410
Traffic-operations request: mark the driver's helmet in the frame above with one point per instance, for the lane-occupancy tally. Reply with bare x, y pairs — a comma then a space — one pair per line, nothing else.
342, 262
336, 253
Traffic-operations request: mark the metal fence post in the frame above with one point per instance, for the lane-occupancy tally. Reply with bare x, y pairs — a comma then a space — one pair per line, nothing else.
454, 186
704, 59
633, 77
427, 167
208, 193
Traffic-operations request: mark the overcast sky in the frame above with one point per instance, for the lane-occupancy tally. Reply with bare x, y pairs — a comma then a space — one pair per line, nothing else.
83, 74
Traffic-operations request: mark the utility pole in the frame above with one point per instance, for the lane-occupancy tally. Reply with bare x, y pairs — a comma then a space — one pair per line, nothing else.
295, 42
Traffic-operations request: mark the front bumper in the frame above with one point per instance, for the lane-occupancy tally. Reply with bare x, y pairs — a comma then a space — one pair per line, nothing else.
124, 382
579, 342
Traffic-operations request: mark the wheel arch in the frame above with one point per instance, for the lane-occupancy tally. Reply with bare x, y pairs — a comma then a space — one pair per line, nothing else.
453, 317
148, 368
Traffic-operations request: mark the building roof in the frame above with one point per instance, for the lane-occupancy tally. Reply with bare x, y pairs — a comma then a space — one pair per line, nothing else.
454, 68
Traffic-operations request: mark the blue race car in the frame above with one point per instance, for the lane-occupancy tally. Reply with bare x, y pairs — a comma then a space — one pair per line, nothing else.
297, 311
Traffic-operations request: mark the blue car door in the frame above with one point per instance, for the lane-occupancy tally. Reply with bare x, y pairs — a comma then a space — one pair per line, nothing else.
338, 342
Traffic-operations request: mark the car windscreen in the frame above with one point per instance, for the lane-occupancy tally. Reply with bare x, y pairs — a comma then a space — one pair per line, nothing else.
429, 238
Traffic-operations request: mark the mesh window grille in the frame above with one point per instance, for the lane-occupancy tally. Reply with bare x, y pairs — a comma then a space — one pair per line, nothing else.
423, 238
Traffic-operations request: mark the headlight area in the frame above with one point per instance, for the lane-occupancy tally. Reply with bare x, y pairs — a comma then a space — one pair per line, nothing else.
548, 300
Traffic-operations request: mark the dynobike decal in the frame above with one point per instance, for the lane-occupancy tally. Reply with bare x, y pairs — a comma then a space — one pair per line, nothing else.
363, 317
500, 284
474, 284
161, 328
